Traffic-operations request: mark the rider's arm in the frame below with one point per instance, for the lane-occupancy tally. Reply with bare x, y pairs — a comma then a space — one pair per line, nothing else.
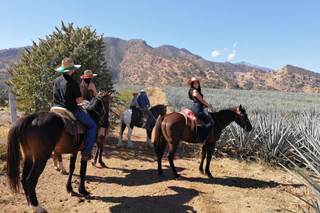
196, 94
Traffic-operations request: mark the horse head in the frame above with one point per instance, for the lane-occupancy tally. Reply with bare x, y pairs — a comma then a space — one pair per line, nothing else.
242, 119
159, 109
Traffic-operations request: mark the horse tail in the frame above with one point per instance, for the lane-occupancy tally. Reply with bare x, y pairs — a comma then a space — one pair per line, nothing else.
158, 135
15, 136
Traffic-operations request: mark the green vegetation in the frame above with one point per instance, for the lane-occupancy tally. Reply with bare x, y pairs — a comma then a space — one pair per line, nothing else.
33, 76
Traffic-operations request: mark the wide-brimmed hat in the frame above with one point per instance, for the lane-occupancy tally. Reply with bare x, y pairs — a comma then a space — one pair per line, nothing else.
135, 92
143, 91
67, 65
88, 74
193, 80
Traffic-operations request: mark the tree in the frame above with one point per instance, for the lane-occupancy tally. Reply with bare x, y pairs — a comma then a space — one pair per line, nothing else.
34, 74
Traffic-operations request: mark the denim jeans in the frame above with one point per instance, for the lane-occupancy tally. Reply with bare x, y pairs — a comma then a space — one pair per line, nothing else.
147, 111
198, 112
91, 130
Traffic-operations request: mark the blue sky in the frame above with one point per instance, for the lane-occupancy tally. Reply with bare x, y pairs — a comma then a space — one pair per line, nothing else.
271, 33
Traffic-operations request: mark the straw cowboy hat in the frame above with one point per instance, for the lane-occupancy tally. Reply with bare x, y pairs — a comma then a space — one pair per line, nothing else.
193, 80
67, 65
88, 74
135, 92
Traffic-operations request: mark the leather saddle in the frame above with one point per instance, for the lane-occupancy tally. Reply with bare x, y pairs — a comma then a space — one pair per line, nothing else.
143, 116
191, 120
71, 124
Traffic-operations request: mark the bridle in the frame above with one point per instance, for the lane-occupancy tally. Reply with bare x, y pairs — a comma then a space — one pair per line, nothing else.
238, 114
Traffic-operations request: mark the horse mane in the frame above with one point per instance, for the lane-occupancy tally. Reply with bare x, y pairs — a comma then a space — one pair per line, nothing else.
93, 103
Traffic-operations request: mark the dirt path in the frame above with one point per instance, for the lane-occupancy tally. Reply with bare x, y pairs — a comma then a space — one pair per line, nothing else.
131, 183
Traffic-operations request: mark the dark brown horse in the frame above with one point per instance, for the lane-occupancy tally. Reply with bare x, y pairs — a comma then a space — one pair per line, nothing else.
57, 158
39, 134
172, 128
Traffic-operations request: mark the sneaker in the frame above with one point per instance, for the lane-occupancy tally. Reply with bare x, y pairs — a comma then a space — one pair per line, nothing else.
86, 156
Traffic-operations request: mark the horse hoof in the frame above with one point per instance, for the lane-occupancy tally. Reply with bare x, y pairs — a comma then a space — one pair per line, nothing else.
103, 165
64, 172
37, 209
179, 178
202, 172
93, 163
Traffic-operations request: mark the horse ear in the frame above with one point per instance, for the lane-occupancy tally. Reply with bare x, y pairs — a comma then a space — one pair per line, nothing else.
240, 107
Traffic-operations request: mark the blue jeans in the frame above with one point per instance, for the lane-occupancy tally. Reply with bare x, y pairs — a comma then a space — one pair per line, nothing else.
198, 112
91, 130
147, 111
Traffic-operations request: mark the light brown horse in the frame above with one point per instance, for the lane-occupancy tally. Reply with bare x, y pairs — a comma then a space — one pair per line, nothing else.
172, 128
39, 134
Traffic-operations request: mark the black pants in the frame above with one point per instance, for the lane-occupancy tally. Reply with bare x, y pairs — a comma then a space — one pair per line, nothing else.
204, 131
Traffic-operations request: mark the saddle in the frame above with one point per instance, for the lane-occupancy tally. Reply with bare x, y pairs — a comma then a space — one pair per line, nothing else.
191, 120
71, 125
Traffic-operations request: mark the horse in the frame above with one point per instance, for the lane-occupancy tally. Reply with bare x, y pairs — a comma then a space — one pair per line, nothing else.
100, 139
172, 128
37, 135
130, 119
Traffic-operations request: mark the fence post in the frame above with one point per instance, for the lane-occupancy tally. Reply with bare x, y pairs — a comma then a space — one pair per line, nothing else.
13, 108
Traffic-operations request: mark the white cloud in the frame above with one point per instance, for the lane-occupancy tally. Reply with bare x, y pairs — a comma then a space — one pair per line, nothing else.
231, 55
225, 49
215, 53
235, 44
274, 62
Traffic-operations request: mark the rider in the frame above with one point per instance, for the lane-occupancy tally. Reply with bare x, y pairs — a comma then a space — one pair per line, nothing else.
144, 103
134, 101
197, 108
66, 93
89, 91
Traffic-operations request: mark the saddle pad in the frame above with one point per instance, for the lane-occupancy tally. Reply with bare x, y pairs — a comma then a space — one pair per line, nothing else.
63, 111
191, 119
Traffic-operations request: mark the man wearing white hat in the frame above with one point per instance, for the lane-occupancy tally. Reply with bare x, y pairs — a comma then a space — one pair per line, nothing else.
66, 93
144, 103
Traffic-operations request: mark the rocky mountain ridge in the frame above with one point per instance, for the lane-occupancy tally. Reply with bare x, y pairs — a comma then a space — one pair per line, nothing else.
135, 62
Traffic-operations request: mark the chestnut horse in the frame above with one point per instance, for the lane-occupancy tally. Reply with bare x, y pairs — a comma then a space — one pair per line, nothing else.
39, 134
172, 128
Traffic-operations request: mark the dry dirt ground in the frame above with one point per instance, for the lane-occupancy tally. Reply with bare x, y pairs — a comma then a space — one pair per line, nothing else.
131, 183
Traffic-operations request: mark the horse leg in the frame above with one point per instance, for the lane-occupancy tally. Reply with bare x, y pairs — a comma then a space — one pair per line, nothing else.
130, 145
57, 162
27, 166
100, 143
122, 128
159, 152
149, 143
209, 156
83, 169
31, 182
172, 151
204, 153
73, 158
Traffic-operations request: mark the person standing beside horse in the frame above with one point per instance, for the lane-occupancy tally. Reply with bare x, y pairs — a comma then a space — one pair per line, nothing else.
144, 103
66, 93
197, 108
89, 91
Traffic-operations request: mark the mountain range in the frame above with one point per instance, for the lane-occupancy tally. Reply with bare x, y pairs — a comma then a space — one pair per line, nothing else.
135, 62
